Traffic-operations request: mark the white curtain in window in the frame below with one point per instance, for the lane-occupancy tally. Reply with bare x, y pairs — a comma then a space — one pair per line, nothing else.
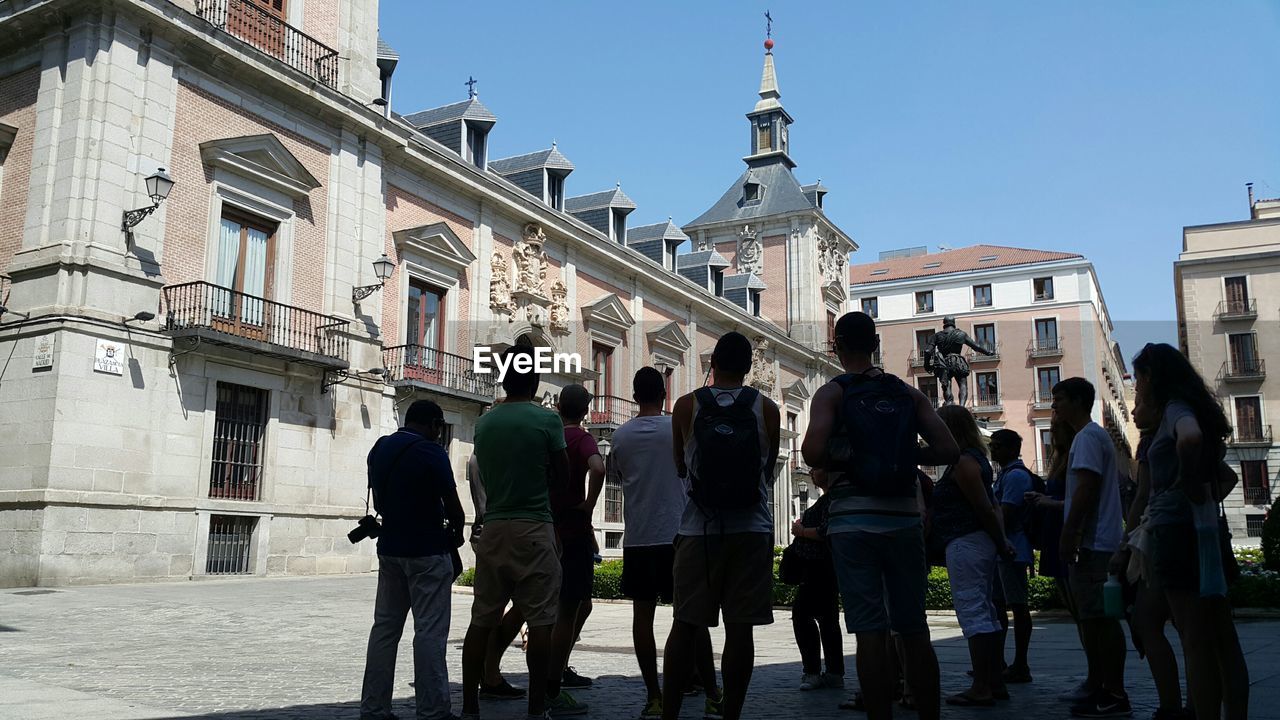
255, 275
225, 271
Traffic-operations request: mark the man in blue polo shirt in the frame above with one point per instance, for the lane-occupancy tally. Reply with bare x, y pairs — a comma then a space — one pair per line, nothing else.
1012, 484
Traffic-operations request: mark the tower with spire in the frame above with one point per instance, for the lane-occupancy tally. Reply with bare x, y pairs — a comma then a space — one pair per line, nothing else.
787, 262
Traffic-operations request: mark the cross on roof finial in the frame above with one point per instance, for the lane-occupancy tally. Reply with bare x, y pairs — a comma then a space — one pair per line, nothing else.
471, 86
768, 24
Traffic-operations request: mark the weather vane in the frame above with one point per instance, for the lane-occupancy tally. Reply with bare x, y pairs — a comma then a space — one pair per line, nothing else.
768, 24
471, 86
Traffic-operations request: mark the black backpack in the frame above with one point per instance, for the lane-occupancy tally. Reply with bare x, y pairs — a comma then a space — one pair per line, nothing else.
878, 416
726, 471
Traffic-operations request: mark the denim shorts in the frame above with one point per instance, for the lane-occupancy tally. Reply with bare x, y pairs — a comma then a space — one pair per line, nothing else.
882, 578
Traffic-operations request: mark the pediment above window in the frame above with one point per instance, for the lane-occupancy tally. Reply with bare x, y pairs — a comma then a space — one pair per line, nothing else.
608, 319
261, 158
668, 344
435, 246
796, 394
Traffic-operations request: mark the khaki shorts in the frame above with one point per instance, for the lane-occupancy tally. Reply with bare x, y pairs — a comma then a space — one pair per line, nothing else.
516, 561
730, 573
1085, 578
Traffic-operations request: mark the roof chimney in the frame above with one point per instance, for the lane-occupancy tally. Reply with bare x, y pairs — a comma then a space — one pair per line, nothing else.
1252, 214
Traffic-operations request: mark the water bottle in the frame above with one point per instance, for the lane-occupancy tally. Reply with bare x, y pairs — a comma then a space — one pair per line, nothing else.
1113, 598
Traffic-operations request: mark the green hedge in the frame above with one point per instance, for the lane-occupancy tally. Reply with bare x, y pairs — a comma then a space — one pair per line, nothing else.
1258, 587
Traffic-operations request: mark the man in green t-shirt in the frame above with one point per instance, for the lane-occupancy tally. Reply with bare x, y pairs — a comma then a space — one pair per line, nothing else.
520, 448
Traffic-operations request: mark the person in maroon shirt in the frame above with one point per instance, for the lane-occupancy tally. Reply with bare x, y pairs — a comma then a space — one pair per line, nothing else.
572, 507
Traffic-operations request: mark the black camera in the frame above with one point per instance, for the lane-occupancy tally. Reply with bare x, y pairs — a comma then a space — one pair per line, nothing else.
368, 527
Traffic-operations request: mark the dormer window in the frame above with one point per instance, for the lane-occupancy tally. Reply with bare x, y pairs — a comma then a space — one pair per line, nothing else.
669, 256
477, 144
717, 282
755, 303
752, 192
618, 226
555, 190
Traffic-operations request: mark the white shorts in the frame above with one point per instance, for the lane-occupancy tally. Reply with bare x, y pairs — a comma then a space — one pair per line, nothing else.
971, 570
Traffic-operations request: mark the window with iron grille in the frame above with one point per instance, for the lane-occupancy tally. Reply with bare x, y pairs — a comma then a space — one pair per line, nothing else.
239, 427
1253, 525
613, 541
612, 500
230, 544
1257, 488
929, 386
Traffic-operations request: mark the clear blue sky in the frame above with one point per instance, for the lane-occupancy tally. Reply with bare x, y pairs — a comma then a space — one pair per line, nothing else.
1096, 127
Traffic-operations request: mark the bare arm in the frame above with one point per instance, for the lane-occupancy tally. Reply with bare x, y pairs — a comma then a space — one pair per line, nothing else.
595, 483
478, 497
680, 415
822, 415
1190, 455
1088, 487
772, 429
1139, 504
942, 448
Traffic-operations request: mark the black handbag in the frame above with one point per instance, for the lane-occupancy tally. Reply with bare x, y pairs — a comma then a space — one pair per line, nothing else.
791, 568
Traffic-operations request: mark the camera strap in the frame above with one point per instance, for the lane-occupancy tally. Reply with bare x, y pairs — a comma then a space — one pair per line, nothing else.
369, 491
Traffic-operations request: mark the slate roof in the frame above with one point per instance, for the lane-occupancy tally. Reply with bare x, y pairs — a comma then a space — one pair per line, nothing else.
469, 109
813, 191
953, 261
744, 280
612, 198
703, 257
782, 194
549, 158
666, 230
385, 51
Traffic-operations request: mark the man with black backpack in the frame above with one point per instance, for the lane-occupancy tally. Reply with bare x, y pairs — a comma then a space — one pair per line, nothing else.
413, 489
725, 440
1011, 487
867, 425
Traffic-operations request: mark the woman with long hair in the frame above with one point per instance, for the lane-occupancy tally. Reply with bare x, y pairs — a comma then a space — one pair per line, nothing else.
966, 522
1183, 460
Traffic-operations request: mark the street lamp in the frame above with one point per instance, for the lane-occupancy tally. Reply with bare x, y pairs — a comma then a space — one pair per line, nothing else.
382, 269
158, 186
803, 489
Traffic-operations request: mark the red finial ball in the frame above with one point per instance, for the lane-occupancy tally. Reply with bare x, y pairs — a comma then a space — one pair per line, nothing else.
768, 44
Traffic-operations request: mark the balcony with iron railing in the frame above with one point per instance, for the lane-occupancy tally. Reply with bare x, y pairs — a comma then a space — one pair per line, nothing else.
1041, 400
608, 411
1257, 495
917, 358
1232, 310
976, 357
1244, 369
1251, 435
431, 370
221, 316
987, 403
273, 36
1044, 347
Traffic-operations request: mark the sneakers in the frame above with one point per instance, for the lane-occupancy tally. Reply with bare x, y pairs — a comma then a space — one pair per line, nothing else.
502, 691
652, 709
835, 682
1103, 704
810, 681
564, 705
571, 679
713, 709
1079, 694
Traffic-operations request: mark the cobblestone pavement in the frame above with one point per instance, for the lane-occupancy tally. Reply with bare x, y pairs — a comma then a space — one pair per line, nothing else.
294, 648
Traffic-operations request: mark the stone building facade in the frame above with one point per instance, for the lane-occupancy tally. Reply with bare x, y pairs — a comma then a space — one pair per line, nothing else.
1226, 285
195, 395
1040, 313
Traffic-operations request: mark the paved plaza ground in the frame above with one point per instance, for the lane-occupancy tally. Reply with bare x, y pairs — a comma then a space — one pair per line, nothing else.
293, 648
